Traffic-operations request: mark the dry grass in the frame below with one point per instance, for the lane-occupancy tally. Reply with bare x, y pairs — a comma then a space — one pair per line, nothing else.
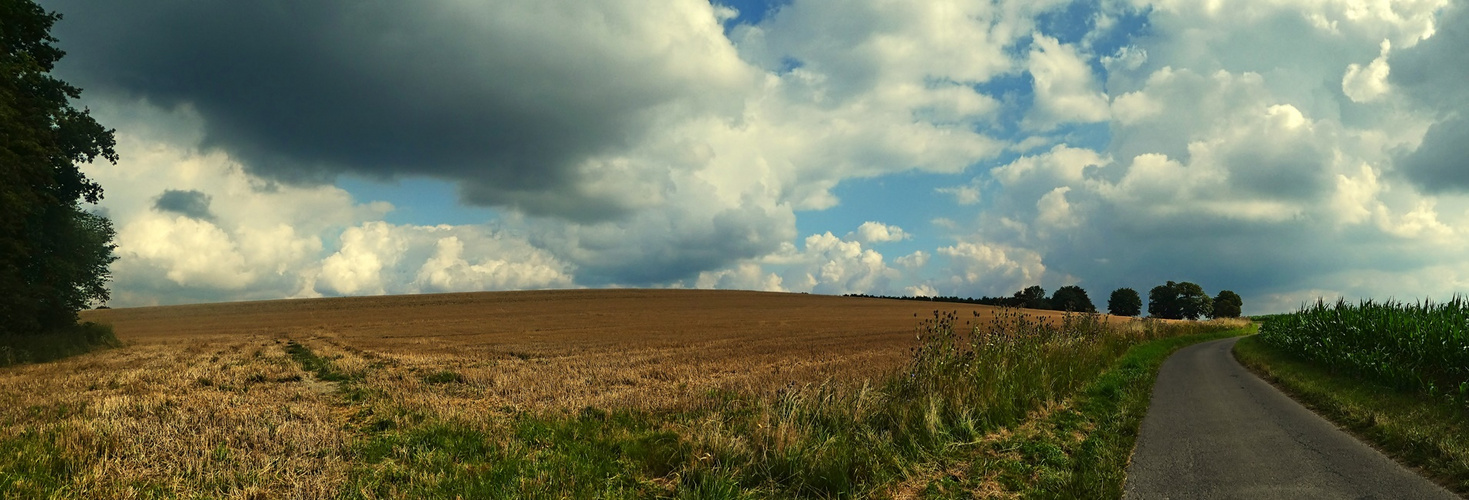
192, 418
205, 400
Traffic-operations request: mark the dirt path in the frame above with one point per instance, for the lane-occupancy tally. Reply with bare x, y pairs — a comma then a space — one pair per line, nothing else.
1214, 430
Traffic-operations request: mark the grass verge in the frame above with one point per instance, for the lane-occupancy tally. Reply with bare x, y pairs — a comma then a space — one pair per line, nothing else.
1079, 448
79, 339
1431, 434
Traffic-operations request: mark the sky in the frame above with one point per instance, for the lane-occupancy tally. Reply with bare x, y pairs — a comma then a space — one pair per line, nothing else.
1285, 150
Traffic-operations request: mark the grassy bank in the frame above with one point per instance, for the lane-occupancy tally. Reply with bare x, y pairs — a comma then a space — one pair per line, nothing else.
82, 338
1426, 431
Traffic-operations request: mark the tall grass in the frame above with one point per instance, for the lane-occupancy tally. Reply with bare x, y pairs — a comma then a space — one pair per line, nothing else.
1421, 347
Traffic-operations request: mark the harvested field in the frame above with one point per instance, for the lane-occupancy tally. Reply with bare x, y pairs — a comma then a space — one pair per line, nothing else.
371, 397
573, 348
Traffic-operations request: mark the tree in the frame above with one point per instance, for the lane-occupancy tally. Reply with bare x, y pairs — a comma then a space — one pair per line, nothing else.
53, 254
1072, 298
1163, 302
1227, 305
1193, 302
1182, 300
1032, 297
1125, 302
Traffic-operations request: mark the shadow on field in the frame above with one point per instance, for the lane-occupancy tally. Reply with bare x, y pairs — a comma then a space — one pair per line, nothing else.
41, 348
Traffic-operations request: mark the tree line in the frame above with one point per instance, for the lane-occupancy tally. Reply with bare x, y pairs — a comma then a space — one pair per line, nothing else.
1171, 300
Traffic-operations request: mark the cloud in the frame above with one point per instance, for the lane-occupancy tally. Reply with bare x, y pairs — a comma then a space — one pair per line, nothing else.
450, 270
1232, 163
833, 266
1065, 90
192, 252
985, 269
913, 261
963, 195
641, 149
877, 232
1258, 174
924, 290
357, 269
745, 276
823, 264
1054, 211
380, 258
514, 100
1365, 84
252, 239
1432, 74
627, 147
190, 203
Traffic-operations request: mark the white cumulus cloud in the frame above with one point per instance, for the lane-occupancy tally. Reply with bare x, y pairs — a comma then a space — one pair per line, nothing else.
877, 232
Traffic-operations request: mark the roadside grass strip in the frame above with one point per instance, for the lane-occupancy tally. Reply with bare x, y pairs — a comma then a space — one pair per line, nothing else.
1427, 432
1078, 448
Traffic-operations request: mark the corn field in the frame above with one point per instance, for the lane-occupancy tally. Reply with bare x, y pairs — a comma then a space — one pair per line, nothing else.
1421, 346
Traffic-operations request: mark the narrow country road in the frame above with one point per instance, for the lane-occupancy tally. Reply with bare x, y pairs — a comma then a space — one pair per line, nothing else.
1215, 430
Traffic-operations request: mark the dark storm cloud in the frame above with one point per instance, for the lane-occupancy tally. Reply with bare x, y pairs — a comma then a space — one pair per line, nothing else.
1441, 163
193, 204
1434, 73
302, 91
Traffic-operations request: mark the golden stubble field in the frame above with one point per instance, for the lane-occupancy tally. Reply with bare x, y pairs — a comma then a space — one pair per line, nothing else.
207, 396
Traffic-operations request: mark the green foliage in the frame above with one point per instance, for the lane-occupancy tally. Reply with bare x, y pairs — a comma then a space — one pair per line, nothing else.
1032, 297
1182, 300
1072, 298
1125, 302
1227, 305
1420, 347
1429, 433
53, 254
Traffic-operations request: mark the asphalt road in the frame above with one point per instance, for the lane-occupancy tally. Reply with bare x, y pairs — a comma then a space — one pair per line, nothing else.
1215, 430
